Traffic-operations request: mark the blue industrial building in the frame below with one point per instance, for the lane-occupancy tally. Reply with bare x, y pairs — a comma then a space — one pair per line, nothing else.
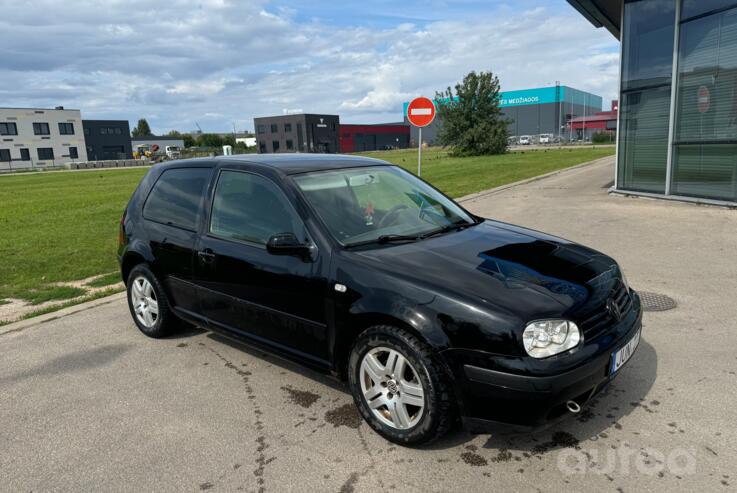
532, 112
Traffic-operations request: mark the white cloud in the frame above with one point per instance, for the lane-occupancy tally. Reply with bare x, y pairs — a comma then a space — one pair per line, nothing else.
223, 61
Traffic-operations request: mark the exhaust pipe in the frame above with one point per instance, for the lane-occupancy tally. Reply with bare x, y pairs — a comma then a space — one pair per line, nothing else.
573, 407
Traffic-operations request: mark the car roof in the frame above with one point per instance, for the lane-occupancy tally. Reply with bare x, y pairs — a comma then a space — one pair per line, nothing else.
289, 163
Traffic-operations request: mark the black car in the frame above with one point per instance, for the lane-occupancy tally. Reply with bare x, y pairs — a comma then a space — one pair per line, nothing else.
356, 267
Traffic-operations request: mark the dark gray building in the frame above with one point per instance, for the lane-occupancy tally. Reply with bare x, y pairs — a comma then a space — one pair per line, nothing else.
677, 135
542, 110
297, 133
107, 139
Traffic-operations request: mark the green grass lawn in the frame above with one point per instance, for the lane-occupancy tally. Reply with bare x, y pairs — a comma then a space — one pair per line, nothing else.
59, 227
63, 226
457, 176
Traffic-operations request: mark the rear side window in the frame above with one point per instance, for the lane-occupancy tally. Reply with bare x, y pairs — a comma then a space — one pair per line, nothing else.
251, 208
175, 198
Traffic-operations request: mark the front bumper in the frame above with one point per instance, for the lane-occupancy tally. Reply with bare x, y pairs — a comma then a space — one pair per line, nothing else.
518, 394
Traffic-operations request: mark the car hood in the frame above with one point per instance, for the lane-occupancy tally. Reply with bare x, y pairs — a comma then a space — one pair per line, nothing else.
494, 265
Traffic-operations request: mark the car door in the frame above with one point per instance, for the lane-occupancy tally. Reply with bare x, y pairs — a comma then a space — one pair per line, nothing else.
171, 215
275, 299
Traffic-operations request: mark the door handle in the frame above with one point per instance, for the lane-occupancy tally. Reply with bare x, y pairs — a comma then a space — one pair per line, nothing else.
206, 255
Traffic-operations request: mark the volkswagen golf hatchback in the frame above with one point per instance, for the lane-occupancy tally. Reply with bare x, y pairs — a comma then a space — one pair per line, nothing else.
358, 268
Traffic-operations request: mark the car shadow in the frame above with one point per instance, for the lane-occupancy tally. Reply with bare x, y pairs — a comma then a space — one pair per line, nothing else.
282, 362
602, 414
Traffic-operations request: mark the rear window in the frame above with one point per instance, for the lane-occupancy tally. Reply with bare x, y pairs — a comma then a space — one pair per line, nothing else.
175, 198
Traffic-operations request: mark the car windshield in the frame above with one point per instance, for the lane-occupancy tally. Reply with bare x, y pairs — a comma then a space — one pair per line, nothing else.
377, 204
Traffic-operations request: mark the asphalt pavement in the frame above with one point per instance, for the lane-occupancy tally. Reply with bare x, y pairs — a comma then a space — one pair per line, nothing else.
87, 403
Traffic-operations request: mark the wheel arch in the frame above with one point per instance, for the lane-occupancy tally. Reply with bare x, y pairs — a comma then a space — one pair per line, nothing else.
357, 323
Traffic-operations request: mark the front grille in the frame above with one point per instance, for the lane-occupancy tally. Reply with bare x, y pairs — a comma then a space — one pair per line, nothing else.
601, 318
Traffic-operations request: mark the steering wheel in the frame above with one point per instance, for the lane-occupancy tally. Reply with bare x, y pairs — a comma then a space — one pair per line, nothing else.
392, 213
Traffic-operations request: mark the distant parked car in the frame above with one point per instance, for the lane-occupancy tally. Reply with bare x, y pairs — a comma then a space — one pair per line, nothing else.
524, 140
356, 267
546, 138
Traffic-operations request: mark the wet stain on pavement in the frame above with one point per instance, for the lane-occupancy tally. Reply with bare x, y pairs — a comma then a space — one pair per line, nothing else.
504, 455
350, 485
474, 459
345, 415
182, 344
302, 398
206, 486
560, 439
261, 460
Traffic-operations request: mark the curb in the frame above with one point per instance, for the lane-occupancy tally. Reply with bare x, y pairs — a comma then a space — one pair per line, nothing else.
502, 188
47, 317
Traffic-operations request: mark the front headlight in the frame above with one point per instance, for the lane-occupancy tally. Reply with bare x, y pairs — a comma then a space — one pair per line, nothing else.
548, 337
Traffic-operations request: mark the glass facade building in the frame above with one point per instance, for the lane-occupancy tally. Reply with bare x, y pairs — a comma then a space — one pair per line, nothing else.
678, 104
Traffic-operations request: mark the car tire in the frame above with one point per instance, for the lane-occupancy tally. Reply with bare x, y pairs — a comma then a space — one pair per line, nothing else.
148, 303
397, 416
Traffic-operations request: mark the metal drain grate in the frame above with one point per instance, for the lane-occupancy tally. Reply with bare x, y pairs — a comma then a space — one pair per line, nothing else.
654, 302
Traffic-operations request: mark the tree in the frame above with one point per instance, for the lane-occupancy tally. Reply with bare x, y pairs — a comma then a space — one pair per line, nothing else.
472, 119
188, 140
142, 129
209, 140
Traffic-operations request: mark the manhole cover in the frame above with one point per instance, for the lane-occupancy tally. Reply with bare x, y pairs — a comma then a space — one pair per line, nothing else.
654, 302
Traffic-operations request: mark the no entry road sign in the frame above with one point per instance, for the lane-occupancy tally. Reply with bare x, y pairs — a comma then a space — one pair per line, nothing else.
421, 112
704, 99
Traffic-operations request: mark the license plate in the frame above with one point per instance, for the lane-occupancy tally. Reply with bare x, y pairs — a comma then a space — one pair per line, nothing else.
620, 357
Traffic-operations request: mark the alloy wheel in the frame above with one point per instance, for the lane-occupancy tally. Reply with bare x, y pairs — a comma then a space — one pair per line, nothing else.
145, 305
392, 388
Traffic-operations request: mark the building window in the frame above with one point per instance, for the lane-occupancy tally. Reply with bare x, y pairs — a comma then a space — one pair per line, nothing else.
647, 50
290, 145
25, 155
73, 153
5, 155
275, 146
647, 64
262, 147
45, 154
8, 129
274, 128
66, 128
287, 127
41, 129
705, 137
261, 129
86, 131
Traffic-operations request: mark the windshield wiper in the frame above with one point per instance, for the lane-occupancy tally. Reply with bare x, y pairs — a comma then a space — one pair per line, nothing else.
385, 239
395, 238
446, 229
408, 238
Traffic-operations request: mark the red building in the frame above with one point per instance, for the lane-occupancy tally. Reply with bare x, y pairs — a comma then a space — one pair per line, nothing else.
358, 138
603, 121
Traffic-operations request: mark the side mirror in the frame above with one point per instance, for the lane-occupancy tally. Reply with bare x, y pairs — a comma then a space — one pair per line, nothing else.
286, 244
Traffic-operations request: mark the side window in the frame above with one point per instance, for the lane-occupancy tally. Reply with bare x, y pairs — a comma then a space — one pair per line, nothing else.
175, 198
251, 208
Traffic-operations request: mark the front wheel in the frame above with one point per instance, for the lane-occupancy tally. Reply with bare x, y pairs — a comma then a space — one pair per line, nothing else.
398, 387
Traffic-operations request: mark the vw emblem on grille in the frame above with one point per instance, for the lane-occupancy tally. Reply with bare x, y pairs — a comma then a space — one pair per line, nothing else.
613, 309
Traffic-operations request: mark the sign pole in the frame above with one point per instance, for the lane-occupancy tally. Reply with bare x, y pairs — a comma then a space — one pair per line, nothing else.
420, 113
419, 152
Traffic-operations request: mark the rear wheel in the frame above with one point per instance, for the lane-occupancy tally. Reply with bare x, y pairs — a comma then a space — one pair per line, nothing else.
399, 388
148, 303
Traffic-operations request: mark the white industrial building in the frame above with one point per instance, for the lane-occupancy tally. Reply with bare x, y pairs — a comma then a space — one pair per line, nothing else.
33, 137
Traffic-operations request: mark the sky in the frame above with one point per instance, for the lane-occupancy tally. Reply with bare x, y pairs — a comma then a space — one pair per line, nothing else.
220, 63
